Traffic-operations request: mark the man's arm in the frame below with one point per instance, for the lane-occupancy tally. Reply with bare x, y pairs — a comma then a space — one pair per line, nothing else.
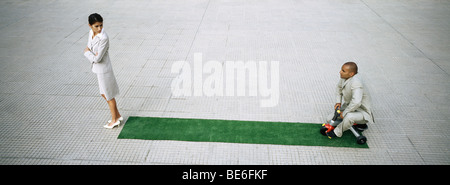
339, 91
357, 94
338, 94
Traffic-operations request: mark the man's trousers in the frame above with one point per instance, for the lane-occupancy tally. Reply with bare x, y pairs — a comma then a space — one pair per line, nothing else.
347, 122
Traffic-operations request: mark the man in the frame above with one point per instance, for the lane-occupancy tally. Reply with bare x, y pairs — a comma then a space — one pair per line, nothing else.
353, 101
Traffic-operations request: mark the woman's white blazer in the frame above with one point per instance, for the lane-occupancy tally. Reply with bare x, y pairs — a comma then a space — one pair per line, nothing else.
99, 44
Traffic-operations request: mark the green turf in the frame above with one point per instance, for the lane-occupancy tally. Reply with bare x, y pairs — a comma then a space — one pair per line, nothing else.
232, 131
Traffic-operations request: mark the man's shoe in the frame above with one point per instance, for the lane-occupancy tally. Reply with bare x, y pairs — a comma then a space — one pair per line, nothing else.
331, 134
360, 127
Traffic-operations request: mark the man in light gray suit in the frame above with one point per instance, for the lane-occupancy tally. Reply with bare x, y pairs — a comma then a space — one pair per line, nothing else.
353, 101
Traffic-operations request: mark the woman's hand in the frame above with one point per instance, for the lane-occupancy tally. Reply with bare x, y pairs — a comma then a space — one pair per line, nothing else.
87, 49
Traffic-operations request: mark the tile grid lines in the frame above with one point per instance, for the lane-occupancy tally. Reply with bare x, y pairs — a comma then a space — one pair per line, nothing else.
50, 88
404, 37
190, 48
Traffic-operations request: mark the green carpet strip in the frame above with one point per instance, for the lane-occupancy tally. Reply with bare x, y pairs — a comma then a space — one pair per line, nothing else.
232, 131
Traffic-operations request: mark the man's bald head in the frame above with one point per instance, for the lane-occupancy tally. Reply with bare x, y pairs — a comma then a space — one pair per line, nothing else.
352, 67
348, 70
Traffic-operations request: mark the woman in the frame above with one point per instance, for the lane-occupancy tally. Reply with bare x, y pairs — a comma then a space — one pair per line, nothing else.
97, 54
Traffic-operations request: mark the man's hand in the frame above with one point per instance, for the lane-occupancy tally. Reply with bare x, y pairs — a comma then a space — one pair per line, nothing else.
338, 106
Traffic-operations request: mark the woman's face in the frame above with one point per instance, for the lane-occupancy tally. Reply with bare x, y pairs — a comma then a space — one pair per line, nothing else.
97, 27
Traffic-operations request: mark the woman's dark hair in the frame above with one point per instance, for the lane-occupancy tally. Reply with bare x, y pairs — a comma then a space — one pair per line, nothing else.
95, 17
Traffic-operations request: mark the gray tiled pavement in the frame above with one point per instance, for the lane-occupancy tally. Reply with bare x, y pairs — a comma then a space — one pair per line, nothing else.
51, 113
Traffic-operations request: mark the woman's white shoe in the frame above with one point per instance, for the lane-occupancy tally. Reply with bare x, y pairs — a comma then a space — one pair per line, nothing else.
112, 126
120, 119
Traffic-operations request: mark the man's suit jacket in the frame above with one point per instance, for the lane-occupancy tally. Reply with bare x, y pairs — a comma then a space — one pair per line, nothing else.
99, 44
354, 97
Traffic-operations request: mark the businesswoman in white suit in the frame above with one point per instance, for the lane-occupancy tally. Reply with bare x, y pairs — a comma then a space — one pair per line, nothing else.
96, 52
